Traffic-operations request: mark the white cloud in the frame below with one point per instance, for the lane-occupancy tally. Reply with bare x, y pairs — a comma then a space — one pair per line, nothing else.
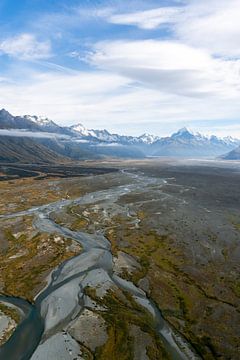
148, 19
103, 100
170, 67
32, 134
213, 25
66, 97
26, 47
137, 86
155, 54
210, 24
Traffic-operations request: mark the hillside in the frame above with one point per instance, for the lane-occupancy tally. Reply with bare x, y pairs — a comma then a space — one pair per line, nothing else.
232, 155
26, 150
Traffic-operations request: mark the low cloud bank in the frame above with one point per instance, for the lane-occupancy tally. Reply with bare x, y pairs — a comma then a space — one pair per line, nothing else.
32, 134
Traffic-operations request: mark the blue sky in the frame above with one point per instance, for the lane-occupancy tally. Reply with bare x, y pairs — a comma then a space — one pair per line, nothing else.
128, 66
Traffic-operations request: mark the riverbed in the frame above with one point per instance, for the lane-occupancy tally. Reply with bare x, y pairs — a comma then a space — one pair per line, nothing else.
40, 331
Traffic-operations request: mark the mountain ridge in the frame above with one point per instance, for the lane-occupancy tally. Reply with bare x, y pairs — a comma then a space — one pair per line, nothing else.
78, 142
47, 125
232, 155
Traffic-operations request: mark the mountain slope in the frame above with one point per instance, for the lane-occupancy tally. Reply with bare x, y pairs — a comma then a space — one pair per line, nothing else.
31, 123
69, 148
78, 142
26, 150
8, 121
106, 136
185, 143
232, 155
98, 135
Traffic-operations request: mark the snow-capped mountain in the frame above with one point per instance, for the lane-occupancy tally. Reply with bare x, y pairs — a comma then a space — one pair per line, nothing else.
45, 124
184, 132
40, 120
81, 140
230, 140
26, 122
102, 135
186, 143
148, 138
8, 121
80, 130
106, 136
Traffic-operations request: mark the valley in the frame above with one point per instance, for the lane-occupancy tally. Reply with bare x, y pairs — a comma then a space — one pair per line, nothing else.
119, 180
139, 259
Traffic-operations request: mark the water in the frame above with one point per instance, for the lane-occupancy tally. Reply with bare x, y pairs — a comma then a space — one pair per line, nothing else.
96, 254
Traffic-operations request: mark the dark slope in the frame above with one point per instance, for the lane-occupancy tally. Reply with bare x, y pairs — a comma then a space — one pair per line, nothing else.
232, 155
69, 148
26, 150
8, 121
31, 123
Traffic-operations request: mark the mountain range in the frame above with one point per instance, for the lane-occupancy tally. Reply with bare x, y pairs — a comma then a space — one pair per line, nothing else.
39, 139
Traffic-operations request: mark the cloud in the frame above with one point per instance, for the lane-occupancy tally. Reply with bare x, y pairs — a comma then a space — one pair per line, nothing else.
131, 86
65, 96
213, 25
32, 134
104, 100
208, 24
167, 55
25, 47
170, 67
148, 19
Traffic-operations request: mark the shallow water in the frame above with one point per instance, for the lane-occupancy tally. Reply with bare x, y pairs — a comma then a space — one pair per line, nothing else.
96, 254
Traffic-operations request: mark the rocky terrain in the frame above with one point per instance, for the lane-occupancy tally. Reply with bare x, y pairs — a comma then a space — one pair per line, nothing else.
158, 235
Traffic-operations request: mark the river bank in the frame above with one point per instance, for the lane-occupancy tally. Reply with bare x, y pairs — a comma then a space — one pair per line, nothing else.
144, 247
93, 270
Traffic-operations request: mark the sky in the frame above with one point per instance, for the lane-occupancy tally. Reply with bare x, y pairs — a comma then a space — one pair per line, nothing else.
130, 66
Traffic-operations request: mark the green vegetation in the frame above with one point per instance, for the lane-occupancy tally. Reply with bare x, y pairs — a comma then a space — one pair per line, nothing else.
236, 287
194, 291
14, 317
180, 296
10, 312
29, 257
123, 312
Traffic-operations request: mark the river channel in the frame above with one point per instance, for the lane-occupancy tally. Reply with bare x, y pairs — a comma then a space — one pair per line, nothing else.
64, 298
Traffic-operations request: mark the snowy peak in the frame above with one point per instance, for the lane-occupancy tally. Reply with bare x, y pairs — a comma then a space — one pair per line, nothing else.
184, 133
30, 123
5, 113
230, 140
183, 136
184, 130
80, 129
44, 124
187, 134
101, 135
183, 143
106, 136
148, 138
40, 120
